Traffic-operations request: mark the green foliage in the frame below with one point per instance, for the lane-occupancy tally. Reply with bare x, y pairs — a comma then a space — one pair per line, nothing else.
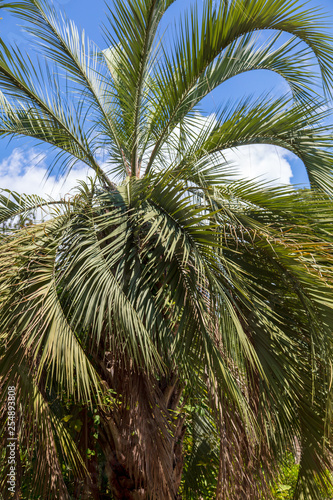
285, 484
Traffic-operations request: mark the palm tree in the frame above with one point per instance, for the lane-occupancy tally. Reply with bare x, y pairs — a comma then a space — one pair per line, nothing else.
167, 324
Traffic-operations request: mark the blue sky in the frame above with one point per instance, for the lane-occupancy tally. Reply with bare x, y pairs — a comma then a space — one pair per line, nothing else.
17, 158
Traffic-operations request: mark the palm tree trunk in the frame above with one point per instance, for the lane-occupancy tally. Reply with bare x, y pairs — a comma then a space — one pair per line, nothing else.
131, 484
141, 436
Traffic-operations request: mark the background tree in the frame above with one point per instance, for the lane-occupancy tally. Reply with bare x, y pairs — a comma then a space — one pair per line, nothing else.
166, 301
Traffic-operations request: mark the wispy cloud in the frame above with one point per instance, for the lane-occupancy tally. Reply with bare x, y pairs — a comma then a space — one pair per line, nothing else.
263, 162
25, 171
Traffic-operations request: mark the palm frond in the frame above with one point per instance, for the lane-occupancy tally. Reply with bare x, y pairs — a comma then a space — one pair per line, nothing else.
192, 70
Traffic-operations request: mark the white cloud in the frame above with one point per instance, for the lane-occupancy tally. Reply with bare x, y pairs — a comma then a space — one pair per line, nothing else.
25, 171
262, 162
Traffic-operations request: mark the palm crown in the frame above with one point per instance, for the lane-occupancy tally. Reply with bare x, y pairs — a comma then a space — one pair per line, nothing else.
170, 306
